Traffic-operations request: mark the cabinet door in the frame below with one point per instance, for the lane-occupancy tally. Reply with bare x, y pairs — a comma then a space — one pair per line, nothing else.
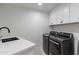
53, 18
66, 18
63, 13
74, 12
56, 16
60, 14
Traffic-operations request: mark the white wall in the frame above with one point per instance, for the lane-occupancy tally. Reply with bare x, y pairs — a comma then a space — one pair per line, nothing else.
73, 28
27, 23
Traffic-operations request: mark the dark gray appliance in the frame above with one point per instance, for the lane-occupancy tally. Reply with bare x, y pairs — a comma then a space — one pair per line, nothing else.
60, 43
78, 48
46, 43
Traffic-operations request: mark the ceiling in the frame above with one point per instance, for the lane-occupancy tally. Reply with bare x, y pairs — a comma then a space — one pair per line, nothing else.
44, 7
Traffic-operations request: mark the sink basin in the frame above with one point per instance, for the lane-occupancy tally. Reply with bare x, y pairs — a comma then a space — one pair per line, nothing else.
15, 45
9, 39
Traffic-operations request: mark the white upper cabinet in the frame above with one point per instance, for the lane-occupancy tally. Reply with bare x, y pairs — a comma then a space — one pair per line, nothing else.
74, 12
59, 15
66, 16
53, 17
64, 13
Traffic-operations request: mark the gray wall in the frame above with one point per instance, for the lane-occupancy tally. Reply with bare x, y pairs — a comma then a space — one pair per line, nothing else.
27, 23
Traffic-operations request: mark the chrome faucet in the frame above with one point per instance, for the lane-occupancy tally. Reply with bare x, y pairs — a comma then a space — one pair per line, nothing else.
5, 28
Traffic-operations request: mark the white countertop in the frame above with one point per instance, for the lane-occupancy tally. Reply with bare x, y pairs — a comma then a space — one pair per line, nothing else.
13, 47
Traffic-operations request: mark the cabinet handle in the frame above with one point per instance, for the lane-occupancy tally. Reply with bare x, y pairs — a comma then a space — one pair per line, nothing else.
51, 23
61, 21
54, 42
